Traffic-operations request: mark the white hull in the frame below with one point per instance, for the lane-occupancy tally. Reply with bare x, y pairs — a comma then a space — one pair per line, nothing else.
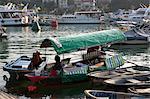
136, 42
83, 17
15, 17
14, 22
140, 14
79, 21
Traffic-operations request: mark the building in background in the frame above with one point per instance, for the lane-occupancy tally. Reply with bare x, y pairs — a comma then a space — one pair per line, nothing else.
85, 4
63, 3
60, 3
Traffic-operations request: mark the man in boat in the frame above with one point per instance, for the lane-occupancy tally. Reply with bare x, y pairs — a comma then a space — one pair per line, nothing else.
57, 67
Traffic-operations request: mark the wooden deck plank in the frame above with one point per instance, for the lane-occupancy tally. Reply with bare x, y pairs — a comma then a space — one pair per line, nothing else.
4, 95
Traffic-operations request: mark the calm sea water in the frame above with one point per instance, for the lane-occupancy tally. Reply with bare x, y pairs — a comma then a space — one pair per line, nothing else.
23, 41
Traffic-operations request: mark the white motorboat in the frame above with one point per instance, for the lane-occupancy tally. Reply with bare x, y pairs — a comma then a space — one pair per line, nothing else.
140, 14
140, 34
82, 17
10, 16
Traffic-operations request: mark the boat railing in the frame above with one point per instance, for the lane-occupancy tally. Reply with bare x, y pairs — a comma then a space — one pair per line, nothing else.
114, 61
90, 55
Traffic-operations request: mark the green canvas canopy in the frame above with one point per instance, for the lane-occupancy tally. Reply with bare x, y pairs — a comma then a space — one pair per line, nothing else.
86, 40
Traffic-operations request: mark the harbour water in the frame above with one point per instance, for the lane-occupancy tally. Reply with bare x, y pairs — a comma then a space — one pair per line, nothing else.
23, 41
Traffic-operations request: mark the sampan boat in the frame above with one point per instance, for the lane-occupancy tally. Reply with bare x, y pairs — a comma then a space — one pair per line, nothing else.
130, 80
100, 76
76, 70
19, 65
142, 90
24, 64
100, 94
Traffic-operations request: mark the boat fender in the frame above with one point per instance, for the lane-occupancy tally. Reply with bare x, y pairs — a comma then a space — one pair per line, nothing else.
5, 78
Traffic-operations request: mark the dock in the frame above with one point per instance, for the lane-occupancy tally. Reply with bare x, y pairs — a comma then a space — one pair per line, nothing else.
4, 95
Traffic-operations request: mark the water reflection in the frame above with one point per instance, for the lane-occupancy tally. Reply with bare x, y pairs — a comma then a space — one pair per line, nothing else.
43, 89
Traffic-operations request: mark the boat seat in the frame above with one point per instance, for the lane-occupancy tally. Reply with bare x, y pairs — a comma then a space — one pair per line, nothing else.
90, 55
133, 80
96, 66
75, 70
65, 61
41, 67
114, 61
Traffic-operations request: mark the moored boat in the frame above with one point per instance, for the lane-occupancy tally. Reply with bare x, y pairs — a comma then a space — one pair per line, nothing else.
142, 90
100, 94
139, 34
100, 76
82, 17
140, 14
76, 70
11, 16
24, 64
130, 80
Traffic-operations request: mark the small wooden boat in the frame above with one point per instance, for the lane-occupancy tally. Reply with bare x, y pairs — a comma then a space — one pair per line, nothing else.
100, 94
19, 65
100, 76
138, 69
24, 64
130, 80
142, 90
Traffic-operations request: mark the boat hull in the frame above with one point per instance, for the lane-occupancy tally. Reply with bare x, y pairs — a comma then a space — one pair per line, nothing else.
134, 38
129, 80
144, 90
100, 94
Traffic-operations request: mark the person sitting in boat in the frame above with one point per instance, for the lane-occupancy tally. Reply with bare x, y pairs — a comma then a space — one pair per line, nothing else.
56, 69
36, 60
57, 65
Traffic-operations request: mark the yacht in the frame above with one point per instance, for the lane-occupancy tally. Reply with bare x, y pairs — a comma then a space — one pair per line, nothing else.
82, 17
140, 34
140, 14
10, 16
120, 15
